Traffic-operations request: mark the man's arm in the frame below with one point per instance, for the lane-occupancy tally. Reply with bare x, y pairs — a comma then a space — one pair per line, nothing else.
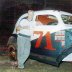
18, 28
25, 27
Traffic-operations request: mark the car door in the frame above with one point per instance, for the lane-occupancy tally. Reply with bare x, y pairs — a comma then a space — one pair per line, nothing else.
43, 40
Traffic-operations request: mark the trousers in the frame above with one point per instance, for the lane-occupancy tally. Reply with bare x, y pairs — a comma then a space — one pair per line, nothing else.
23, 49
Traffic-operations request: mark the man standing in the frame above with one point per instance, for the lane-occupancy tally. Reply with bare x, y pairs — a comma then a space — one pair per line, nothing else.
24, 39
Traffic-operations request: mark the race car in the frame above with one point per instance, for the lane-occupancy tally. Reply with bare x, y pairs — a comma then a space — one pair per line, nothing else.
51, 41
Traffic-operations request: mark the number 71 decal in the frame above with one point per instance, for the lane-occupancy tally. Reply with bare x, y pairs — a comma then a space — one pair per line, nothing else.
48, 40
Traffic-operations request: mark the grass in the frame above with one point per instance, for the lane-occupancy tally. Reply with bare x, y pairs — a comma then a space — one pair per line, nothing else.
33, 66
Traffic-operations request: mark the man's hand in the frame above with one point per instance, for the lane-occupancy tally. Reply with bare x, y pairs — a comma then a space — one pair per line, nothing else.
18, 28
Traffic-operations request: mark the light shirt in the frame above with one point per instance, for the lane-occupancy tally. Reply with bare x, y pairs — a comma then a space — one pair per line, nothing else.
18, 21
26, 31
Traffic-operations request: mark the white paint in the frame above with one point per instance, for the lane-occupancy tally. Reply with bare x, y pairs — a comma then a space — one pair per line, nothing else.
68, 58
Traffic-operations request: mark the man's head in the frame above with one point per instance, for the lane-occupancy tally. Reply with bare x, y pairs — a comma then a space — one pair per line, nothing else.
30, 15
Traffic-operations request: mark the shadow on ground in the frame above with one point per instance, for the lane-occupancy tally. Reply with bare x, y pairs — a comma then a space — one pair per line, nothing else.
33, 66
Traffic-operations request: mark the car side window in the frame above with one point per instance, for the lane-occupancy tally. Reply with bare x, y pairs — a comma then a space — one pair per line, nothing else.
47, 19
67, 19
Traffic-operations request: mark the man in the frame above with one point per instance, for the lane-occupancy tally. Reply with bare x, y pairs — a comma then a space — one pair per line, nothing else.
24, 39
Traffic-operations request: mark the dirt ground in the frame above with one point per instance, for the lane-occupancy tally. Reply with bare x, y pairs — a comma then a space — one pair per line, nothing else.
33, 66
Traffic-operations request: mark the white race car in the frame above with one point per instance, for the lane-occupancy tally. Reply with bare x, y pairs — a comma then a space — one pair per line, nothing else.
52, 40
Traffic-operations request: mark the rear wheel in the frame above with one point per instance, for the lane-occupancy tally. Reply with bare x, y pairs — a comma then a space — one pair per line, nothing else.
12, 52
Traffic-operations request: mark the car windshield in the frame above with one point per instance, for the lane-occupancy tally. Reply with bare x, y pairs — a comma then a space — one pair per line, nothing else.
67, 19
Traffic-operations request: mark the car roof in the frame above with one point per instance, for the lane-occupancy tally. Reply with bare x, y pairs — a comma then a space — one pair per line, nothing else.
52, 11
46, 12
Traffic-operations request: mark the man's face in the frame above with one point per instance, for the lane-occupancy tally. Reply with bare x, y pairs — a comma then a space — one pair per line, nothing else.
30, 15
